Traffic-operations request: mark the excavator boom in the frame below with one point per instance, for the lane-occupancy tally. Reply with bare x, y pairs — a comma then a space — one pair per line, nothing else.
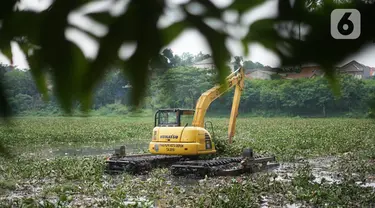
234, 79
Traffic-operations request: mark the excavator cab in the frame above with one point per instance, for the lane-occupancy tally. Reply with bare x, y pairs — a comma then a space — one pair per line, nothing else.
173, 117
174, 134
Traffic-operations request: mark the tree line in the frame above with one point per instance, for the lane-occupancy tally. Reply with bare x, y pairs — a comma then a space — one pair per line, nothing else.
280, 97
181, 85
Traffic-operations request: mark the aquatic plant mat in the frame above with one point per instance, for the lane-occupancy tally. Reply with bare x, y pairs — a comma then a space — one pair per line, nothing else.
59, 162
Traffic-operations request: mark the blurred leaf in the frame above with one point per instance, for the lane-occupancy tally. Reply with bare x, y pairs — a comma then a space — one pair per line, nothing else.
319, 23
216, 41
101, 17
294, 52
79, 69
38, 69
147, 46
245, 47
88, 33
109, 45
22, 24
285, 9
6, 8
7, 50
172, 31
56, 51
211, 9
263, 31
74, 77
312, 3
244, 5
5, 109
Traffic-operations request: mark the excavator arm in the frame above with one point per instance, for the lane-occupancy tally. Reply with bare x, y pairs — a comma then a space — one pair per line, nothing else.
234, 79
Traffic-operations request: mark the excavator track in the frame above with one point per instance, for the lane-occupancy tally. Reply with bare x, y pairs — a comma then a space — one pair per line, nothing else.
183, 166
232, 166
138, 164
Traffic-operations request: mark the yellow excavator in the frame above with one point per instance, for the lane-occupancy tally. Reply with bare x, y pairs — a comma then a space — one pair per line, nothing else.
178, 145
171, 138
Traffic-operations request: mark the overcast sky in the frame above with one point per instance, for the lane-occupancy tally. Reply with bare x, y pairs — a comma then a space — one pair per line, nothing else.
189, 41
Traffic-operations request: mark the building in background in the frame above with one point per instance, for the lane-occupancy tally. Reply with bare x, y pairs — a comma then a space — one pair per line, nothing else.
306, 71
355, 69
205, 64
352, 68
372, 71
264, 73
209, 64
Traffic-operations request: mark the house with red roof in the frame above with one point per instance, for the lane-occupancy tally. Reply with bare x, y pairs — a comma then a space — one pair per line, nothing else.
307, 71
352, 68
356, 69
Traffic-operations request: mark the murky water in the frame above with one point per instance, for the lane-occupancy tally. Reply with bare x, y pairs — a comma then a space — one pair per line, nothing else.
322, 168
88, 151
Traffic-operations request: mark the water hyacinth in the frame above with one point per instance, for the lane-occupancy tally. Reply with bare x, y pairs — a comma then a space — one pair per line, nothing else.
324, 162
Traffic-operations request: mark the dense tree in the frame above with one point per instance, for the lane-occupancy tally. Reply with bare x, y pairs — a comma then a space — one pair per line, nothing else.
19, 82
167, 59
201, 56
252, 65
187, 59
112, 90
182, 86
238, 62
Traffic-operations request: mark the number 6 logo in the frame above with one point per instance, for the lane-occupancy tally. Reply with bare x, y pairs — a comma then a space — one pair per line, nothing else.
345, 24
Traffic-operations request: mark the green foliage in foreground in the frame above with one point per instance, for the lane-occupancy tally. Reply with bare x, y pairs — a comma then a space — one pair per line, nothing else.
79, 180
49, 52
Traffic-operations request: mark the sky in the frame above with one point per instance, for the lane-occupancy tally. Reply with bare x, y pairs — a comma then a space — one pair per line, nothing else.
189, 41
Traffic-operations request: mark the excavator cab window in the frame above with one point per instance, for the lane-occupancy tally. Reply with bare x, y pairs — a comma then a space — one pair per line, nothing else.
173, 117
167, 118
187, 117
